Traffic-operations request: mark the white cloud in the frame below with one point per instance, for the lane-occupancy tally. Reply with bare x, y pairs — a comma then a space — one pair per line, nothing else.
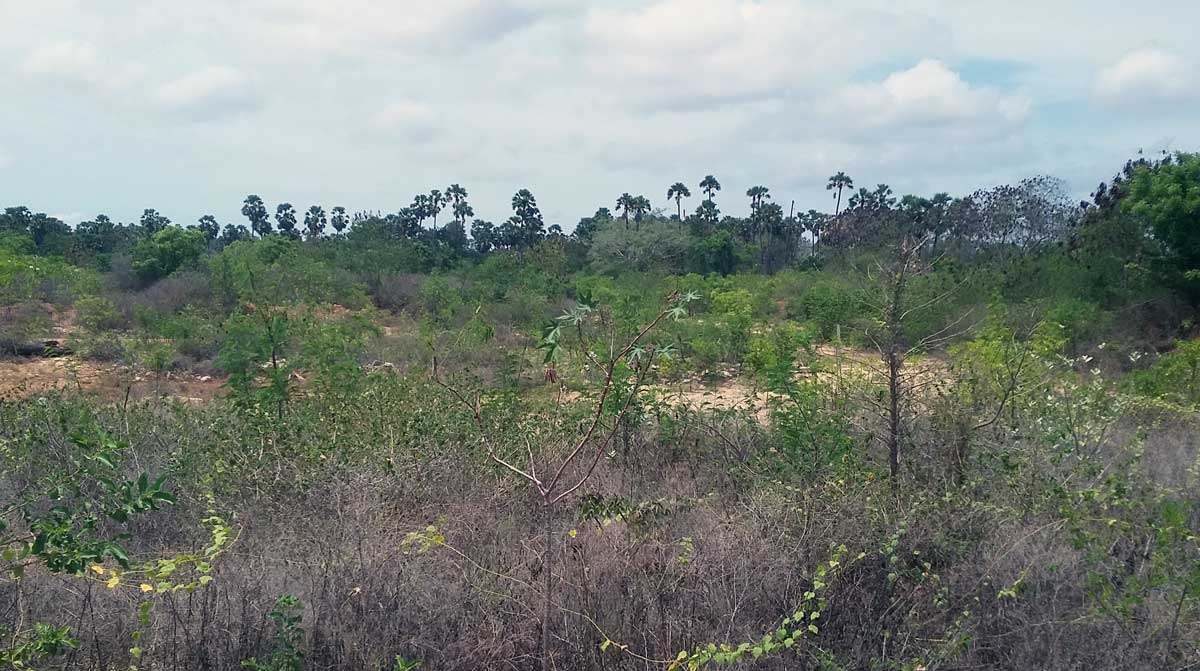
408, 120
1147, 77
927, 96
578, 100
208, 86
66, 60
319, 29
686, 52
78, 63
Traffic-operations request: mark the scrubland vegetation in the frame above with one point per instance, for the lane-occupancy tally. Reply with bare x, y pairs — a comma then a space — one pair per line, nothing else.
912, 434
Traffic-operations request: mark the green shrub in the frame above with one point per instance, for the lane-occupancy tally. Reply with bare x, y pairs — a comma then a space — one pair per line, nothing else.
439, 300
1080, 320
97, 314
829, 303
47, 279
287, 654
772, 353
280, 271
1174, 377
195, 333
167, 251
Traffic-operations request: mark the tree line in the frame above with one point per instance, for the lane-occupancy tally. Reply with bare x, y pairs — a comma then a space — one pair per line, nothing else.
1137, 206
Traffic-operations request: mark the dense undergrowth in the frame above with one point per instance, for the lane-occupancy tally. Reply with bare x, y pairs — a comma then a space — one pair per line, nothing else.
971, 443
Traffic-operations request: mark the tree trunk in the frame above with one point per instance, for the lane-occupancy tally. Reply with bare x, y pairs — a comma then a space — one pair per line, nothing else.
894, 360
548, 582
893, 438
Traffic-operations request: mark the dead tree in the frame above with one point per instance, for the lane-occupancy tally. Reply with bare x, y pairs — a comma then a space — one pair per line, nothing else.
891, 341
558, 463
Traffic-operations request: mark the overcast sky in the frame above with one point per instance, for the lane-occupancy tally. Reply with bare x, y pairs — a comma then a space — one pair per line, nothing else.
186, 107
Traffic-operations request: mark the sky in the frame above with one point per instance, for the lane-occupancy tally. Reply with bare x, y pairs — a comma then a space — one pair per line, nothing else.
114, 107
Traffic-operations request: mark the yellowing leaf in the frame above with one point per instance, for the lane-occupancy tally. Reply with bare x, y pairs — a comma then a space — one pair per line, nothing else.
98, 569
113, 582
573, 533
146, 588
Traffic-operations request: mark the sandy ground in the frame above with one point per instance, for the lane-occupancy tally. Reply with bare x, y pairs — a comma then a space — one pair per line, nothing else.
21, 378
36, 376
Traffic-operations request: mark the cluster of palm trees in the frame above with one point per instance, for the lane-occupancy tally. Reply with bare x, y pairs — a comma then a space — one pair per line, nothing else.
524, 229
767, 226
428, 206
286, 221
638, 206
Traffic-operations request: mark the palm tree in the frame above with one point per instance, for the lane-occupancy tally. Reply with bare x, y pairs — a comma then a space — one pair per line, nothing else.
285, 215
420, 208
208, 226
709, 214
314, 221
757, 194
254, 210
640, 207
678, 191
456, 196
839, 181
462, 212
710, 186
527, 217
625, 205
816, 221
882, 197
338, 219
436, 201
766, 223
862, 199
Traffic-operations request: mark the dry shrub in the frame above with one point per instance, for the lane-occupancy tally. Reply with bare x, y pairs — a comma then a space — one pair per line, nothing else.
713, 556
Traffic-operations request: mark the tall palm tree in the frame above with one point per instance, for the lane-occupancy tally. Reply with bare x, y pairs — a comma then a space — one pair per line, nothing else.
527, 217
816, 221
766, 224
862, 199
524, 204
338, 219
254, 210
710, 186
420, 208
839, 181
625, 205
436, 201
678, 191
285, 215
882, 197
456, 196
641, 206
314, 221
757, 194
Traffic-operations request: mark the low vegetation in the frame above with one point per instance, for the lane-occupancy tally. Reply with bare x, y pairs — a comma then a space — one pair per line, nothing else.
916, 433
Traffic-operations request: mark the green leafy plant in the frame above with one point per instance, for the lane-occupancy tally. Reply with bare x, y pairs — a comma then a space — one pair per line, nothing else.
288, 653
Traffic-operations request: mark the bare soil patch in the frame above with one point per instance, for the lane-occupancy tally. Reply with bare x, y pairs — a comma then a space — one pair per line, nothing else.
24, 378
